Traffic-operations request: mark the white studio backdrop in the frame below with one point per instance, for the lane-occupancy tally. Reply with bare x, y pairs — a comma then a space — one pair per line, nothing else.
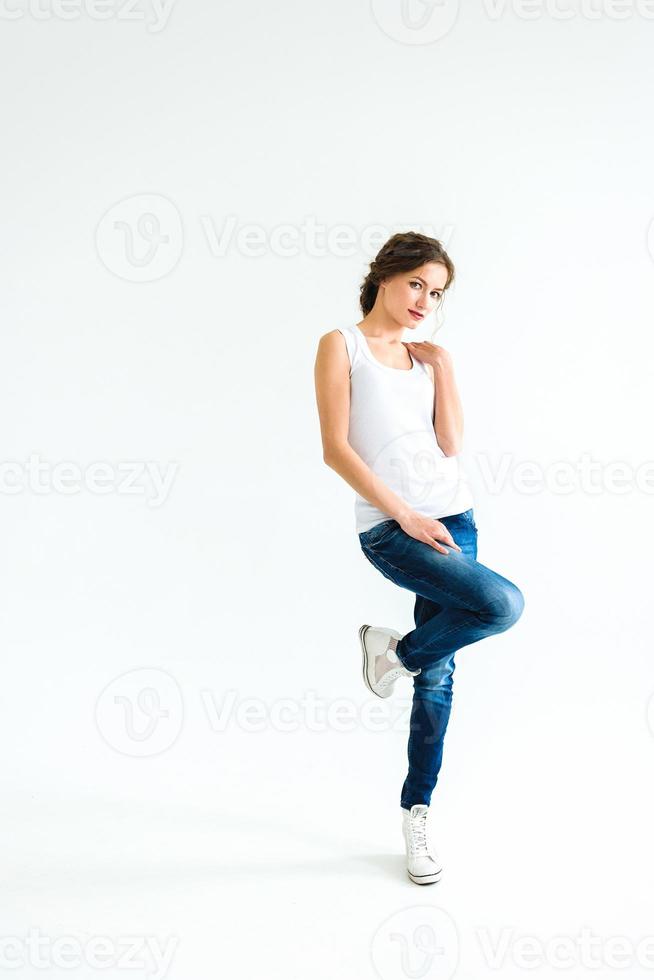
191, 196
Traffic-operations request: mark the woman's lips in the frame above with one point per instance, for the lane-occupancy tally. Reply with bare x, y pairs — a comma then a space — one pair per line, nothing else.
417, 316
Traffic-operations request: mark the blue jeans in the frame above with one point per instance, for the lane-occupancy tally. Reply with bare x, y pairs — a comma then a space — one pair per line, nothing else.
458, 602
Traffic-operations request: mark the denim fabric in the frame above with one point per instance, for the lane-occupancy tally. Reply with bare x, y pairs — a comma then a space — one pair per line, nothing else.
458, 601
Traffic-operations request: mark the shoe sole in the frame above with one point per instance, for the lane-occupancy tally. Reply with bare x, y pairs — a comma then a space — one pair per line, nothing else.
426, 879
362, 633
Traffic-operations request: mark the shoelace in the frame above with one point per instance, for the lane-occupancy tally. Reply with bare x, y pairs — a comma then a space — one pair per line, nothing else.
417, 827
390, 675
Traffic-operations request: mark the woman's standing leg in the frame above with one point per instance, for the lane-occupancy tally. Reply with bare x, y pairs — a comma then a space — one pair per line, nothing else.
432, 690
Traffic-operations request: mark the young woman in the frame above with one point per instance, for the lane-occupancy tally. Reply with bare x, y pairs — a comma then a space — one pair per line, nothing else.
392, 425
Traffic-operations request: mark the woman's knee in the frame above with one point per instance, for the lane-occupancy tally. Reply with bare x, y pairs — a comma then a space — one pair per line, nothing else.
506, 607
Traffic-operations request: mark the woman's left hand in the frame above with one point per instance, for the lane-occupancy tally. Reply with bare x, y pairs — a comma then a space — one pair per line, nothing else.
430, 353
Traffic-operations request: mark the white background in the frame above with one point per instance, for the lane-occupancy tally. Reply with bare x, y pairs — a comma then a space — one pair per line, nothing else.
522, 138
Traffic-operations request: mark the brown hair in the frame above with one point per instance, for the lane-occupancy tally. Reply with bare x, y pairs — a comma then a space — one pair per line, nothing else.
403, 252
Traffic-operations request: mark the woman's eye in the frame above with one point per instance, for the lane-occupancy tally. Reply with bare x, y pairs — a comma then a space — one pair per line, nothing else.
419, 285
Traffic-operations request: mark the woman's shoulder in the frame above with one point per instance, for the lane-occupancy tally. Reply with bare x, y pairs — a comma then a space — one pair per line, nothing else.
334, 340
335, 335
340, 343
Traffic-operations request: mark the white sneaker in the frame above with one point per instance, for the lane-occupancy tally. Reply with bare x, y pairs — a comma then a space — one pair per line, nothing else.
422, 861
381, 666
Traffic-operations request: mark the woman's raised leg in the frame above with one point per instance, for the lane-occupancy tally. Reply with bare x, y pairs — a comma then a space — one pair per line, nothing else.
477, 602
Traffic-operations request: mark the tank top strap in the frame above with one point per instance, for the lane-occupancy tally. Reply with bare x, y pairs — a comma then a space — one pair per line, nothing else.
353, 345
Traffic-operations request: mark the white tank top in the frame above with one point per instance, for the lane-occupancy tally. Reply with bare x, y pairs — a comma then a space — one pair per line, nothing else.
391, 429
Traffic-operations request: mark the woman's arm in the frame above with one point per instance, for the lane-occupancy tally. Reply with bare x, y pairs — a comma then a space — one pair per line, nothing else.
332, 380
448, 410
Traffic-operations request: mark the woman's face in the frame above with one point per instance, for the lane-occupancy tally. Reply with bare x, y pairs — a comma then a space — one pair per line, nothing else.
419, 291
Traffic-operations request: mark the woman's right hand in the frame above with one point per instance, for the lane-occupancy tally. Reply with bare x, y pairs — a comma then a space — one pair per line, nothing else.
429, 530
